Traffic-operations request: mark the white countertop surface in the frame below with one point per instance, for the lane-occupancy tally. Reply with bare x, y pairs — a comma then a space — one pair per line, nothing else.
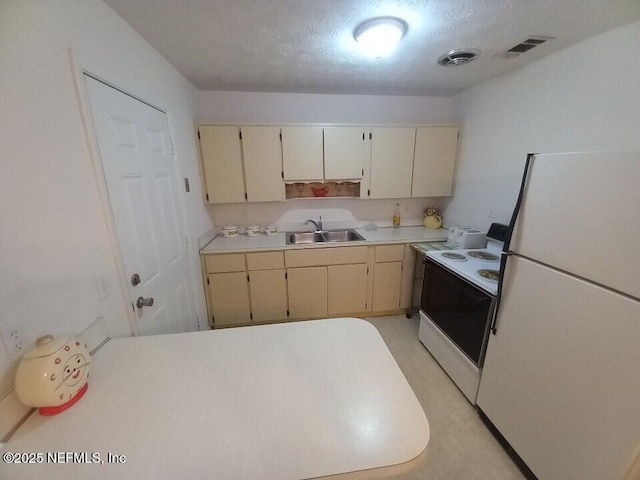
285, 401
380, 235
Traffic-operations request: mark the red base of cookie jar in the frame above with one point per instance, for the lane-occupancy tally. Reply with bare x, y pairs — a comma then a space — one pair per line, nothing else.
50, 411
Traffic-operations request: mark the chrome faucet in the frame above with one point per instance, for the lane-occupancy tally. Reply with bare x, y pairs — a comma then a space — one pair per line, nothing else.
318, 224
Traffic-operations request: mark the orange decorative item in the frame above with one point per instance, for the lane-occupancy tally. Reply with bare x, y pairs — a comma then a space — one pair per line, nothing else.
320, 191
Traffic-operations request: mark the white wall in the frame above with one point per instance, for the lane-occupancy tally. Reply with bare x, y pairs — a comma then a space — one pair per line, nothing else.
282, 108
53, 234
585, 97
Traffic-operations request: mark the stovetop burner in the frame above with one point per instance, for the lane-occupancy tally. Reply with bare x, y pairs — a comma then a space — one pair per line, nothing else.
458, 257
491, 275
489, 257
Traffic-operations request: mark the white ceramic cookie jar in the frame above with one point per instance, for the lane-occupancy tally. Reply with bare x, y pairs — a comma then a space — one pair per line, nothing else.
53, 374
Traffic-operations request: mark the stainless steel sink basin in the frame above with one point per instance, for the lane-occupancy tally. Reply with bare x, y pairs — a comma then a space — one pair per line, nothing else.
327, 236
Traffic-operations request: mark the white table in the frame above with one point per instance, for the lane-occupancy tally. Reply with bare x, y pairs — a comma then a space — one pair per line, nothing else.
285, 401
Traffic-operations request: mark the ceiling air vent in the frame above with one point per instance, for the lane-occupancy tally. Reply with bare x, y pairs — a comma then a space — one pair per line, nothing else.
458, 57
525, 46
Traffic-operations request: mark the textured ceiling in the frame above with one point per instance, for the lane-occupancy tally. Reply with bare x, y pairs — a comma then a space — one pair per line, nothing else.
307, 46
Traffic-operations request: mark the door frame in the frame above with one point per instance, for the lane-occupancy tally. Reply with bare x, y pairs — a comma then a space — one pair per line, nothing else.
79, 68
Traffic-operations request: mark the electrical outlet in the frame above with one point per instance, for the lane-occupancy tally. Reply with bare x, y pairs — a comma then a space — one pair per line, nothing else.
13, 339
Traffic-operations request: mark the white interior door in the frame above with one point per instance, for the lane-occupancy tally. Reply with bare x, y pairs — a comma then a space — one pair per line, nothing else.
137, 160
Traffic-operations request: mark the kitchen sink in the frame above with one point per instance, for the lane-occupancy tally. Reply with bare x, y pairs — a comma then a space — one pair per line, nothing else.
326, 236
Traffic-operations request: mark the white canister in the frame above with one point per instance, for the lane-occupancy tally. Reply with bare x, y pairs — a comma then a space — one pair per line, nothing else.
271, 229
230, 231
253, 230
53, 374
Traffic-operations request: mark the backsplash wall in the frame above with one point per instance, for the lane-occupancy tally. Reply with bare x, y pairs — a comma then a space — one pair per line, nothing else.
336, 213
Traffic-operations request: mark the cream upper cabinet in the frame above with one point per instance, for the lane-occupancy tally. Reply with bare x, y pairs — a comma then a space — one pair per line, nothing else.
435, 156
302, 153
392, 151
221, 153
344, 152
262, 154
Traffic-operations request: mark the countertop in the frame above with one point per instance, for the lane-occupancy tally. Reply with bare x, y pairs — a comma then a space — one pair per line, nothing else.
243, 243
286, 401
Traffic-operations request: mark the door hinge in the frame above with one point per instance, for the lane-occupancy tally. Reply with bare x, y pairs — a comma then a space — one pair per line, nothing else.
240, 134
287, 313
363, 172
198, 134
248, 279
368, 193
367, 270
282, 173
208, 282
285, 275
280, 136
365, 305
246, 197
213, 319
362, 135
402, 268
133, 307
370, 135
251, 316
206, 196
458, 136
172, 150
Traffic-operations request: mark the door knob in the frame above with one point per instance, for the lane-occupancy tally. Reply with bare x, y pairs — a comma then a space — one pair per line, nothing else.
144, 302
135, 279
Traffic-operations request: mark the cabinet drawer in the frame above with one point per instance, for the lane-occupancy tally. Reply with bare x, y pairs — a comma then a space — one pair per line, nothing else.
225, 263
389, 253
265, 260
325, 256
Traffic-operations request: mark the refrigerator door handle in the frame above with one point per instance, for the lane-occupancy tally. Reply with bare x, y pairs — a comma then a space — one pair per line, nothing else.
507, 240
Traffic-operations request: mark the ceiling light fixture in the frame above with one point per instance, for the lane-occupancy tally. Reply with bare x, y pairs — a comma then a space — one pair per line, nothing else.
380, 36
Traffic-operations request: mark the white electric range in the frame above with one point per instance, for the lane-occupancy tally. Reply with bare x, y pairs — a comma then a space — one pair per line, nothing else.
480, 266
459, 291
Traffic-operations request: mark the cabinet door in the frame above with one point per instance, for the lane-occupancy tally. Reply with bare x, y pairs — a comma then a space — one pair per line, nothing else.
387, 279
392, 162
307, 289
262, 153
229, 297
434, 160
347, 288
221, 155
302, 153
344, 150
268, 294
408, 264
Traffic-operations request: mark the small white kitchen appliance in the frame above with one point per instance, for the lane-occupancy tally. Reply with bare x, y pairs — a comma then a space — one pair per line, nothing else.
461, 238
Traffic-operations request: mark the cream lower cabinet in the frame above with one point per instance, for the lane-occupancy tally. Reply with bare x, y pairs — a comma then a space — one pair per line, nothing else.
387, 280
229, 298
387, 277
268, 291
307, 289
307, 283
347, 288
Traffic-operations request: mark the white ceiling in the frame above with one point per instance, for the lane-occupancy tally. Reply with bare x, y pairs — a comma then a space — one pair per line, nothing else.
307, 46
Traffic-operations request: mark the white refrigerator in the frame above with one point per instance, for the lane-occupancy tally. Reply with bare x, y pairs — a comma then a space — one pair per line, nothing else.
561, 377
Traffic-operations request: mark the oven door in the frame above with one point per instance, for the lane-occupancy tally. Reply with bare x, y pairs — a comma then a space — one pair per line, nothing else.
458, 308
